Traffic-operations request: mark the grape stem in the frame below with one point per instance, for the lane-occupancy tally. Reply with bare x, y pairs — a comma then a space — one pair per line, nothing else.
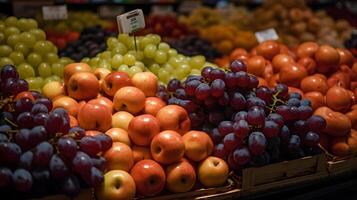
11, 123
272, 106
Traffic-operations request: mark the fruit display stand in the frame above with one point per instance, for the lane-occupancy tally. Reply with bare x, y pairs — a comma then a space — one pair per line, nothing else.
258, 179
336, 166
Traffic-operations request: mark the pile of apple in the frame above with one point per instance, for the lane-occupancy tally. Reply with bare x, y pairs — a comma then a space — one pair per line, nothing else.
153, 147
325, 75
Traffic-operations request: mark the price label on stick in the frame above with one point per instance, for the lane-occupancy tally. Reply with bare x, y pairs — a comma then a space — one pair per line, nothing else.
268, 34
131, 22
54, 12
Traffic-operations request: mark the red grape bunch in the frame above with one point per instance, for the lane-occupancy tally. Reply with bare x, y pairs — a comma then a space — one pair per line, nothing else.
250, 125
40, 153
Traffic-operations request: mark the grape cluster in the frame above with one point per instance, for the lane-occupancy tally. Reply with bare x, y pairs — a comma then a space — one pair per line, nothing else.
194, 45
91, 41
40, 153
23, 44
250, 125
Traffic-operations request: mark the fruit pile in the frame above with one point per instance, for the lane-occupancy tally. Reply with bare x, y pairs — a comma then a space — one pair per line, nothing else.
250, 125
325, 75
167, 26
152, 54
297, 23
194, 45
90, 42
61, 39
153, 146
24, 45
41, 152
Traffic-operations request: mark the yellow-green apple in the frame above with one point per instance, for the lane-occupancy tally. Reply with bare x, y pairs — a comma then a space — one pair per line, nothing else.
53, 89
83, 86
101, 73
213, 172
173, 117
149, 177
119, 135
167, 147
122, 119
119, 156
142, 129
67, 103
180, 177
117, 185
92, 133
129, 99
73, 68
153, 105
141, 153
72, 121
95, 117
146, 82
104, 101
198, 145
114, 81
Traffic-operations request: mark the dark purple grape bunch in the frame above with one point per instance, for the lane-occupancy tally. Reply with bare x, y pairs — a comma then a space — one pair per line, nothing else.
10, 82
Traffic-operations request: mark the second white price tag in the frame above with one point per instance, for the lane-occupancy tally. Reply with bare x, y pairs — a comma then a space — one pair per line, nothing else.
131, 21
54, 12
268, 34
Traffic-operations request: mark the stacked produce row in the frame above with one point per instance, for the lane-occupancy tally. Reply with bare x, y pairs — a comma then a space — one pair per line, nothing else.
136, 117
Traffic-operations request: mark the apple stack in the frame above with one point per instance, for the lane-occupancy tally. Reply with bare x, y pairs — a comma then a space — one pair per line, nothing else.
42, 152
153, 146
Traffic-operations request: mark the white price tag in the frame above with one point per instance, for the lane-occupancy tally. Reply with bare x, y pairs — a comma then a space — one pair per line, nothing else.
268, 34
189, 5
54, 12
131, 21
162, 10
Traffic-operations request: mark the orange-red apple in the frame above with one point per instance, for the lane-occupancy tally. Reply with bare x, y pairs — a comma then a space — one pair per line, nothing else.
147, 82
121, 119
73, 68
92, 132
180, 177
83, 86
213, 172
143, 128
149, 177
104, 101
173, 117
67, 103
114, 81
129, 99
119, 156
72, 121
141, 153
167, 147
198, 145
119, 135
153, 105
95, 117
117, 185
101, 73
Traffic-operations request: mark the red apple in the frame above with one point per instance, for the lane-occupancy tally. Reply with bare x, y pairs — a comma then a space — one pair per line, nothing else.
198, 145
72, 121
117, 185
143, 128
167, 147
121, 119
101, 73
180, 177
104, 101
119, 135
119, 156
153, 105
92, 133
114, 81
83, 86
213, 172
146, 82
129, 99
149, 177
141, 153
67, 103
95, 117
73, 68
173, 117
